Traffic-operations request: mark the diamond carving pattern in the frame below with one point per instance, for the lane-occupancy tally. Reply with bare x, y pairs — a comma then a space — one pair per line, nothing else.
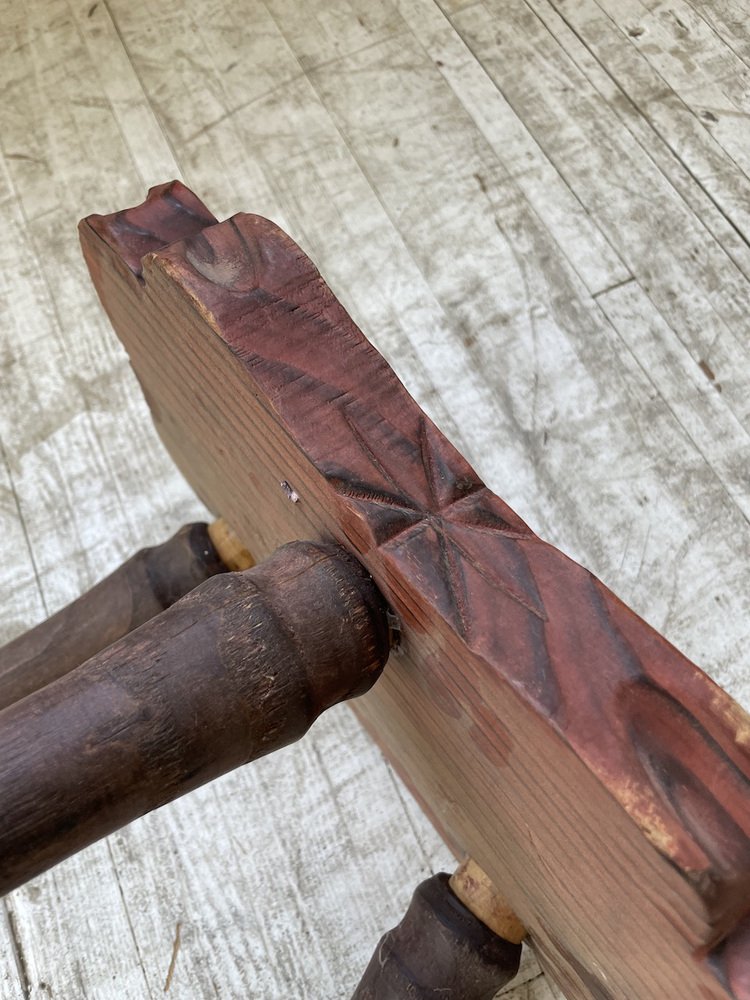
439, 517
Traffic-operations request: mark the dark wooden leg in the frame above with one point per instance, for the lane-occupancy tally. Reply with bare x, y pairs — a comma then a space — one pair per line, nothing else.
150, 581
439, 951
241, 666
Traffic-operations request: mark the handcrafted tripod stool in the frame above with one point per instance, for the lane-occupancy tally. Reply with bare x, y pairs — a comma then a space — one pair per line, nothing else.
596, 777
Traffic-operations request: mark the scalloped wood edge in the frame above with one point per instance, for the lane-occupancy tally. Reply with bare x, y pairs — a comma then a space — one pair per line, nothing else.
596, 775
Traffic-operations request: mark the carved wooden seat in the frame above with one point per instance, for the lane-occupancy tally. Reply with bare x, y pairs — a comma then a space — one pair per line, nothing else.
597, 776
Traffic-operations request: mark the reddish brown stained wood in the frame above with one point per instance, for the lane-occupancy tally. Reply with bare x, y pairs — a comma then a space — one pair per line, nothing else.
731, 960
147, 583
241, 666
528, 708
171, 213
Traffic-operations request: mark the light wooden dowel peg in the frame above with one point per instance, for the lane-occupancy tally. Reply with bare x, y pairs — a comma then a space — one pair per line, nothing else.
229, 547
477, 892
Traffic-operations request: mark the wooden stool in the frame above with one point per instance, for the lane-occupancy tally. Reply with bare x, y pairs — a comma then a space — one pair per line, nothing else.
593, 774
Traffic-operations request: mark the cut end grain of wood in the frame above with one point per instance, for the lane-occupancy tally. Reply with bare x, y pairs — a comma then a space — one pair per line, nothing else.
476, 891
232, 552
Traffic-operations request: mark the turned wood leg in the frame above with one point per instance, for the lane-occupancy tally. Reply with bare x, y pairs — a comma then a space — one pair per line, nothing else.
442, 949
150, 581
146, 584
241, 666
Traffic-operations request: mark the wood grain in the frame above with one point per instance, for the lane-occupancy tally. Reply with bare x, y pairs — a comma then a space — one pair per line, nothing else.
658, 232
527, 697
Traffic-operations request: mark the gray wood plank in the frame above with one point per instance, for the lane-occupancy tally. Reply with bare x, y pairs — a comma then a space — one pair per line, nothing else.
728, 19
645, 55
688, 275
696, 64
524, 162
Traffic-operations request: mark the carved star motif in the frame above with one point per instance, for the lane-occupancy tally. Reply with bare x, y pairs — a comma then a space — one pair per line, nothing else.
423, 501
415, 496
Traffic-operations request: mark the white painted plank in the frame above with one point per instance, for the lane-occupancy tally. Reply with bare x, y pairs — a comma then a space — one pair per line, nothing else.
77, 912
330, 31
526, 165
12, 974
654, 70
729, 20
688, 276
453, 6
696, 65
116, 81
694, 400
24, 602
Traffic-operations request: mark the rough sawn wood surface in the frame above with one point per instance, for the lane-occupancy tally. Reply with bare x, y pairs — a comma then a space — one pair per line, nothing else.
539, 215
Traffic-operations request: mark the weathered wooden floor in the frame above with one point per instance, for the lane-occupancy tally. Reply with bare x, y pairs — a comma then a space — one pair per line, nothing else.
539, 211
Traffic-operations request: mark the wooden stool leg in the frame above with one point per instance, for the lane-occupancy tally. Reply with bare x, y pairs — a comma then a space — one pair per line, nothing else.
150, 581
240, 667
440, 951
